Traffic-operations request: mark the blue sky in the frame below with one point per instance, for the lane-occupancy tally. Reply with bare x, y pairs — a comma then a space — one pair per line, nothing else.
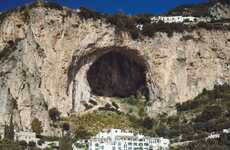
111, 6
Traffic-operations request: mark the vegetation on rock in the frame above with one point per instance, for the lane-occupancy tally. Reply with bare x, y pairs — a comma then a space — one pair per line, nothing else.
36, 126
198, 10
65, 143
54, 114
126, 23
196, 119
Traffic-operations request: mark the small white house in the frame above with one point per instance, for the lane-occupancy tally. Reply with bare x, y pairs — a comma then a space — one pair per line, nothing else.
213, 136
139, 26
227, 131
26, 136
190, 19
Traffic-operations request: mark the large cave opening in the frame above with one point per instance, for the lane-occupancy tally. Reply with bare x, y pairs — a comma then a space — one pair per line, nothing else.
117, 74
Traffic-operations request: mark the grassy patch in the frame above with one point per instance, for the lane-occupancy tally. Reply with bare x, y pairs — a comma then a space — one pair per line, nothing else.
97, 121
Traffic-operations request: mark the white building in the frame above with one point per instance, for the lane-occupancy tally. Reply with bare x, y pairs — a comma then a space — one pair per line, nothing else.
167, 19
179, 19
227, 131
117, 139
213, 136
26, 136
139, 26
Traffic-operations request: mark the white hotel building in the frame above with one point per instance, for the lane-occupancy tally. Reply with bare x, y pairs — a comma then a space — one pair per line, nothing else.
26, 136
179, 19
117, 139
173, 19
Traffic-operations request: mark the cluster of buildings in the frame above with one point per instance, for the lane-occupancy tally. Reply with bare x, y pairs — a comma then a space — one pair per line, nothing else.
179, 19
117, 139
214, 135
176, 19
26, 136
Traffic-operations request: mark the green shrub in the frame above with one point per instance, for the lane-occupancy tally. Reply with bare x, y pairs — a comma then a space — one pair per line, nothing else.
162, 131
65, 143
187, 37
210, 112
82, 133
54, 114
32, 144
86, 13
143, 18
147, 123
132, 100
142, 112
92, 102
36, 126
115, 105
48, 138
149, 30
23, 144
87, 106
107, 107
40, 142
45, 4
65, 126
197, 10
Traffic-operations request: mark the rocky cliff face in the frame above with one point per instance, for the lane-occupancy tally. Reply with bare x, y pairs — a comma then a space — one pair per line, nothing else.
48, 58
220, 9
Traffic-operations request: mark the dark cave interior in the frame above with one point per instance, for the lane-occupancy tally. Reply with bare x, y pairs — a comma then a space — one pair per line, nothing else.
116, 74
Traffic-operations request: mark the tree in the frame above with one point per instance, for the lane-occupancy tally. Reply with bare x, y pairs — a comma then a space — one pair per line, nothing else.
147, 123
115, 105
162, 130
36, 126
23, 144
65, 142
32, 144
65, 126
54, 114
141, 112
9, 130
210, 112
107, 106
40, 142
82, 133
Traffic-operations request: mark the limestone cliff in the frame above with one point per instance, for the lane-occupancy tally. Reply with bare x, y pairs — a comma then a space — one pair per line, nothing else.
46, 54
220, 9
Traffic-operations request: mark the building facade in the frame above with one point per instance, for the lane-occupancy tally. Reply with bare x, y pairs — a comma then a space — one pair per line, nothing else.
116, 139
179, 19
26, 136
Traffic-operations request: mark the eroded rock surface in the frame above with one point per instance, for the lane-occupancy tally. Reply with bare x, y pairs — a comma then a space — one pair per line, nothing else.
44, 61
220, 10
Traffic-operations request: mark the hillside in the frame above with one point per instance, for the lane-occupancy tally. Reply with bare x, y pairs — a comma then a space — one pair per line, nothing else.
217, 9
198, 10
195, 120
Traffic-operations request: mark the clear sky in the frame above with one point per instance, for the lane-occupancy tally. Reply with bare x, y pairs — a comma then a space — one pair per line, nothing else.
111, 6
